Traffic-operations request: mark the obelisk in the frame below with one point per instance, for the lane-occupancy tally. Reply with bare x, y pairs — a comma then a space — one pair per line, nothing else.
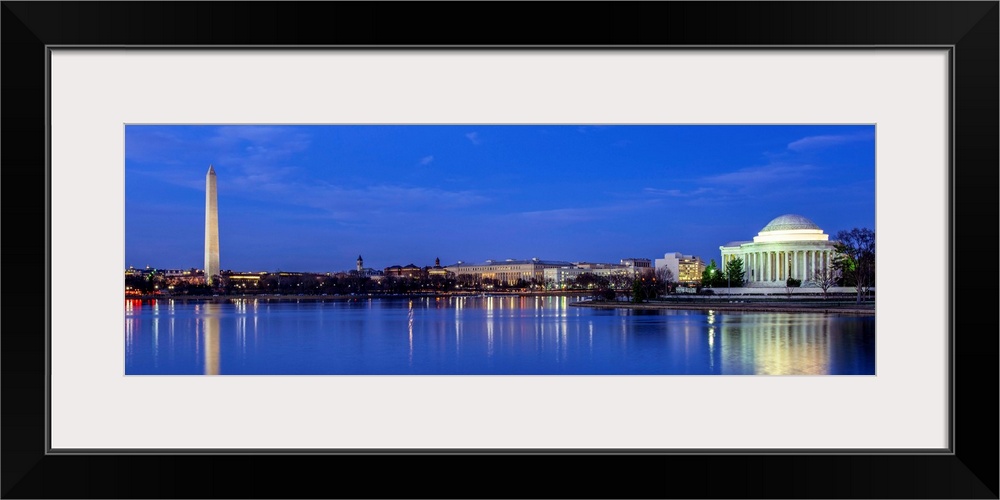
211, 228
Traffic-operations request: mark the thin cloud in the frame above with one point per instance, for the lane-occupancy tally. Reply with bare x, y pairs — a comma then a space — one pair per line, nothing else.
153, 146
474, 137
767, 174
351, 203
825, 141
586, 214
566, 215
427, 160
405, 196
245, 153
172, 177
675, 193
253, 177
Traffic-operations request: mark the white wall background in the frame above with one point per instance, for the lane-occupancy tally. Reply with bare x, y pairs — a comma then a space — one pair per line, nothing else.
904, 93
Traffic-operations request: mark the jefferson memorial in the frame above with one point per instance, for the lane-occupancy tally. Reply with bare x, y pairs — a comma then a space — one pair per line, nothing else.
790, 246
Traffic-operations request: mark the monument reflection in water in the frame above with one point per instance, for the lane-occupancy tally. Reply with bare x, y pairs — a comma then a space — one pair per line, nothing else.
484, 336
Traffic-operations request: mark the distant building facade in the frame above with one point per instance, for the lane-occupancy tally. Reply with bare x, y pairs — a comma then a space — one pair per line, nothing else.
629, 267
366, 272
637, 263
686, 269
190, 276
557, 277
437, 271
790, 246
178, 273
407, 271
507, 271
244, 280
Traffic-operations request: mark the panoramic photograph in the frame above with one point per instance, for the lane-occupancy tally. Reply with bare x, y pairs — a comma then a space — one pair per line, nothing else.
535, 249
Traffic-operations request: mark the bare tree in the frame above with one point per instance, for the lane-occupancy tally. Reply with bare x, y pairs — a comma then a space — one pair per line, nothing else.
665, 278
650, 286
856, 257
825, 278
621, 283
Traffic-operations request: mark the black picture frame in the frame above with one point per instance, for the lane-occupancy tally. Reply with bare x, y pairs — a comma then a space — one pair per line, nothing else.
970, 29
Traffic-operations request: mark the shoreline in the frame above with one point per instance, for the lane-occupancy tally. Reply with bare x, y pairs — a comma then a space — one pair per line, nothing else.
698, 304
313, 297
812, 307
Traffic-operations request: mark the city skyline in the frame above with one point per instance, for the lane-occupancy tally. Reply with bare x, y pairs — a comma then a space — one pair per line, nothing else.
313, 197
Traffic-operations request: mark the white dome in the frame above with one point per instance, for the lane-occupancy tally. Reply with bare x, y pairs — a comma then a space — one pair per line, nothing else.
789, 222
790, 227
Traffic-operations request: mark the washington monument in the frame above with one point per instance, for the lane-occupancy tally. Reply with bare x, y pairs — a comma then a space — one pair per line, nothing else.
211, 228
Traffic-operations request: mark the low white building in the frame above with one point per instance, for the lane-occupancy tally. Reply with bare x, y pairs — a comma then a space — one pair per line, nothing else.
686, 269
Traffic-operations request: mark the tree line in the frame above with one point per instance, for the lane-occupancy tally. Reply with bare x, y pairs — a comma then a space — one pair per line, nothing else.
853, 266
640, 286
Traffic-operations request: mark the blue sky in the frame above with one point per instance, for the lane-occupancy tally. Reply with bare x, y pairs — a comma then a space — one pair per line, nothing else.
311, 198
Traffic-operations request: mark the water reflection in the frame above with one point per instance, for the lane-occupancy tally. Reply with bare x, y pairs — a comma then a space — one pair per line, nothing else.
775, 344
211, 338
410, 328
485, 335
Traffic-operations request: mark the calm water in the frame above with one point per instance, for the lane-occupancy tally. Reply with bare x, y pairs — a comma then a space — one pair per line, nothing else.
484, 335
